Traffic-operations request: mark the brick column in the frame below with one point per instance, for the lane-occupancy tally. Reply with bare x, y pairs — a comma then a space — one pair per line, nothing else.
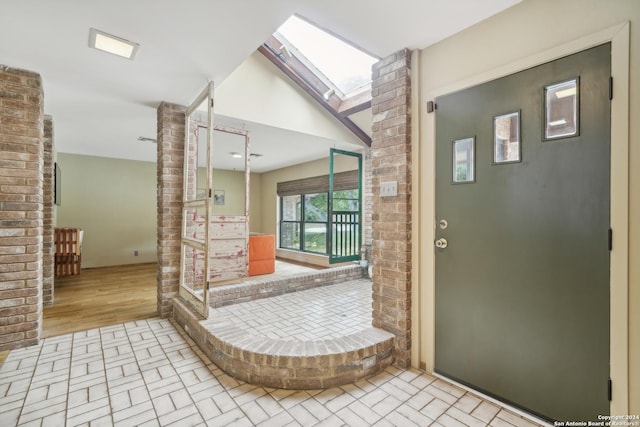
171, 135
391, 162
21, 211
48, 248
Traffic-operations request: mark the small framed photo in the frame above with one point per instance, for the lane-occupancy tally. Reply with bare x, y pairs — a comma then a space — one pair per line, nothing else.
464, 160
561, 109
506, 138
218, 197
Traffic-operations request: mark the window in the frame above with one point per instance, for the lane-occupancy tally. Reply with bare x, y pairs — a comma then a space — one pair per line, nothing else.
344, 67
290, 212
332, 71
561, 109
304, 214
463, 160
506, 138
315, 222
304, 222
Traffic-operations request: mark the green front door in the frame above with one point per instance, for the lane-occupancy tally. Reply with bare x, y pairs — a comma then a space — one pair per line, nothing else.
522, 229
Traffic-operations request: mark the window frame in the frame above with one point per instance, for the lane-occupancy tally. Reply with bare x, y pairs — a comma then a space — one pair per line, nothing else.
296, 47
301, 224
283, 54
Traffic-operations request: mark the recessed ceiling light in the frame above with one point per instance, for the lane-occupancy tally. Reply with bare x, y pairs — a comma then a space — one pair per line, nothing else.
236, 155
112, 44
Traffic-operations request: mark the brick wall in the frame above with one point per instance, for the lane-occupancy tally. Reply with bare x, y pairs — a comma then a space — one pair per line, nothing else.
171, 135
391, 161
21, 207
48, 248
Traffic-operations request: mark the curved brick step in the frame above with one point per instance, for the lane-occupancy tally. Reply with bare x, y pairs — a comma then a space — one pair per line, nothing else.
288, 364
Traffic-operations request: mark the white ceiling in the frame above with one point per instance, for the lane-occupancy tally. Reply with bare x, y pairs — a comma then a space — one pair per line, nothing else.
271, 147
101, 103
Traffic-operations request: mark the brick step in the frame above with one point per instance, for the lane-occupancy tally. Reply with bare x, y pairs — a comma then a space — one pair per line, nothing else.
286, 363
267, 286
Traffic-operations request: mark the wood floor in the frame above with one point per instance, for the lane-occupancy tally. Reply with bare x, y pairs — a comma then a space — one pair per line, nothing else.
110, 295
100, 297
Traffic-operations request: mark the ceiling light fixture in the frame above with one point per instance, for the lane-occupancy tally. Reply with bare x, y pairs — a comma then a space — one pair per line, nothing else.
112, 44
236, 155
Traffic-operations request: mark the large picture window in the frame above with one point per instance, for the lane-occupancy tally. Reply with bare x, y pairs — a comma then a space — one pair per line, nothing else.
304, 212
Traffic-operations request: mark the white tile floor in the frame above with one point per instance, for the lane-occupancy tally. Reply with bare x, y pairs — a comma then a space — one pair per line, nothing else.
147, 373
320, 313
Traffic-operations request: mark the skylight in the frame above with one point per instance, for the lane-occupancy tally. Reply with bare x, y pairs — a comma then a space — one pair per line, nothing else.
347, 68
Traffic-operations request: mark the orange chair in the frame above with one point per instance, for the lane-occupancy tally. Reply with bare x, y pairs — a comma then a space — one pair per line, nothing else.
262, 254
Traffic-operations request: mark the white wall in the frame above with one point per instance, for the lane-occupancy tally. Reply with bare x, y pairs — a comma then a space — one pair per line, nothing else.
258, 92
525, 35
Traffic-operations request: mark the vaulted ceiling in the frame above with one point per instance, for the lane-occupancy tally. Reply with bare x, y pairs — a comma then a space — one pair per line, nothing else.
101, 103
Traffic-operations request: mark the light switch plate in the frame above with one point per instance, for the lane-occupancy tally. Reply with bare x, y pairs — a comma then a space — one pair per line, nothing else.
389, 189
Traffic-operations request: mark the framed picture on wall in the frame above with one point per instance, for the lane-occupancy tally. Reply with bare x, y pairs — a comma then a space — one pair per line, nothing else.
218, 197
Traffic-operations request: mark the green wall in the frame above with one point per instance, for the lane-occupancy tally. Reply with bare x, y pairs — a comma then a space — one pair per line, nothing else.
114, 202
232, 184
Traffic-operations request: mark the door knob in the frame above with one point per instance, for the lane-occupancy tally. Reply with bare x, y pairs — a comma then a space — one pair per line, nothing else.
441, 243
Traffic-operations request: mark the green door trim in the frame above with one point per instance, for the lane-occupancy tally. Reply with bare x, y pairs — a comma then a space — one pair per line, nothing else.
334, 255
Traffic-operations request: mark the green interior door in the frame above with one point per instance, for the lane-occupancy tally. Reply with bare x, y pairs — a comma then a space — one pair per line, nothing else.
345, 208
522, 222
